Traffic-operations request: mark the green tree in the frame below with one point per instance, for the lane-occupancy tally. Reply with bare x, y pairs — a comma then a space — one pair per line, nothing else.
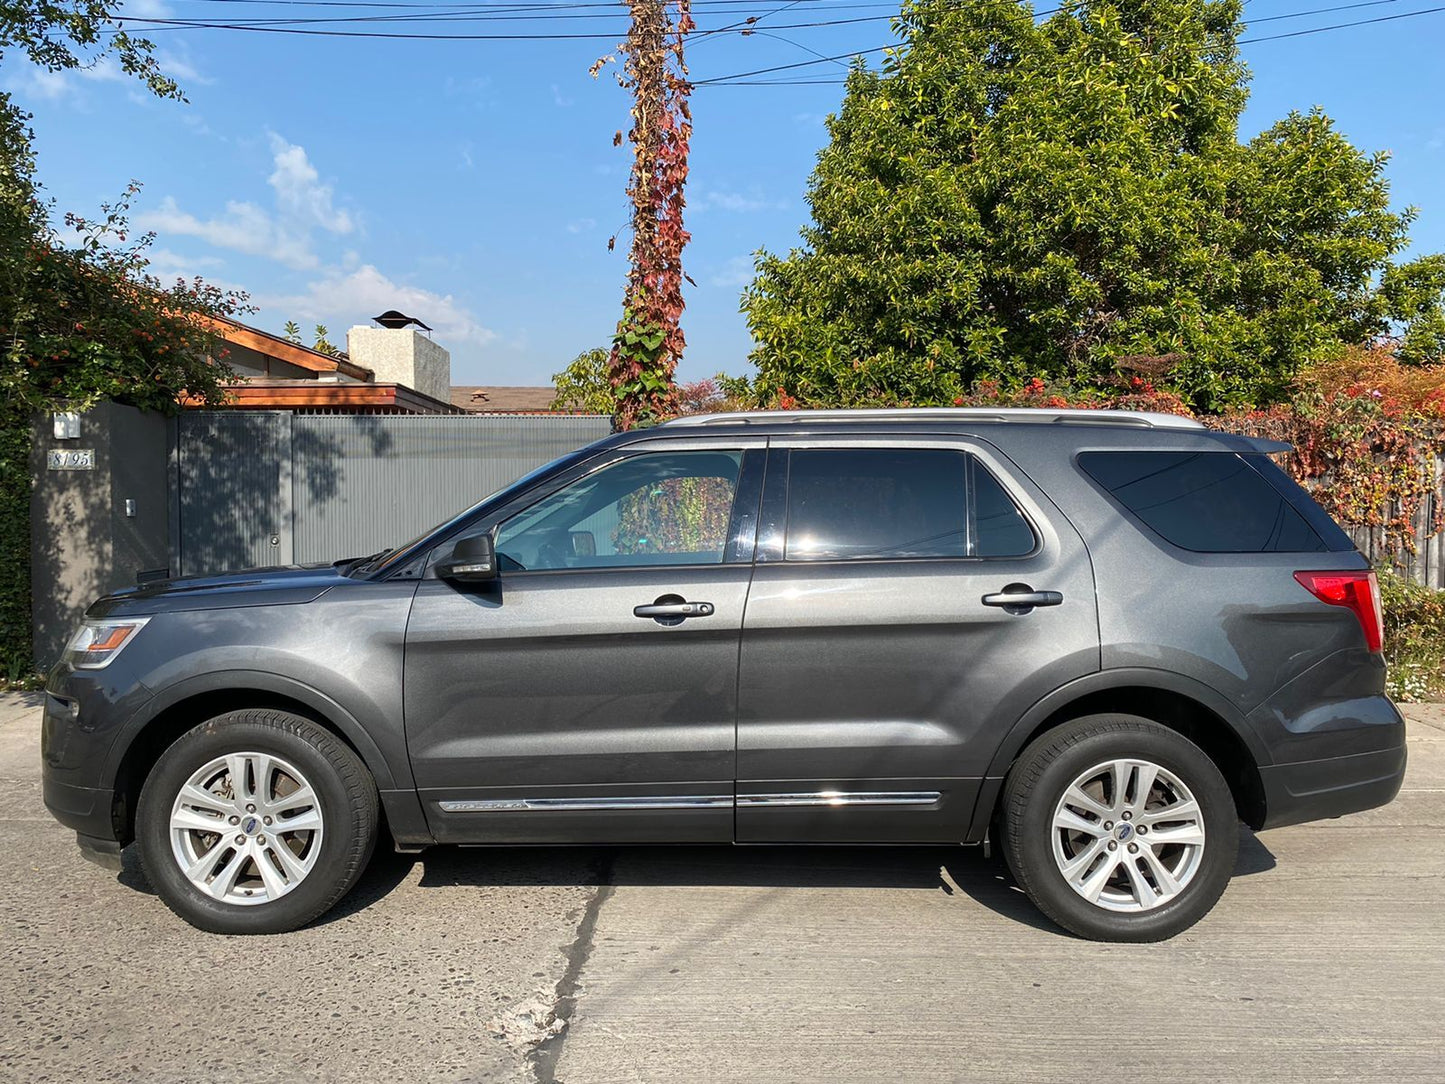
1009, 200
585, 385
81, 318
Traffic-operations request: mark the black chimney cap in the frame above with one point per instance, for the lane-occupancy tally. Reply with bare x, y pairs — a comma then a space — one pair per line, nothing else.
393, 319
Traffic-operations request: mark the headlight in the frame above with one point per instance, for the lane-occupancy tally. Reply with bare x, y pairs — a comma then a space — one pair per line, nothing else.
98, 642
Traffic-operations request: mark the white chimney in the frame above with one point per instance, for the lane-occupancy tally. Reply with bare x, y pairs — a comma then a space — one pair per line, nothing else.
402, 356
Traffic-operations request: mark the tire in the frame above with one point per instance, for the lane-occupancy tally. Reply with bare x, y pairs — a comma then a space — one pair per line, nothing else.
1119, 883
301, 789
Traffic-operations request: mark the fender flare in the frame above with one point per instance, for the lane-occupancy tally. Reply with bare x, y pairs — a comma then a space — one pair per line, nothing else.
1123, 678
262, 682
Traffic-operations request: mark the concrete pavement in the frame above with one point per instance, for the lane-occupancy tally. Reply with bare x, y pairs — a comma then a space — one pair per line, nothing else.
1324, 961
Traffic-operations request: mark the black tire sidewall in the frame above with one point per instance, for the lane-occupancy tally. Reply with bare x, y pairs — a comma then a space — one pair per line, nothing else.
1038, 781
319, 756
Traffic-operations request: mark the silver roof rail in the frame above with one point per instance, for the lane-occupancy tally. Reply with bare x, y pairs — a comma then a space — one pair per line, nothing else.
1139, 418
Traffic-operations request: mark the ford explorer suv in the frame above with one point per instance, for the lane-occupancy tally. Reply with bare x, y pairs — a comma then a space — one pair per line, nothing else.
1101, 640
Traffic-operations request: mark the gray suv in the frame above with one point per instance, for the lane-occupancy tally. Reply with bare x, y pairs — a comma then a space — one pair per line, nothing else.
1100, 639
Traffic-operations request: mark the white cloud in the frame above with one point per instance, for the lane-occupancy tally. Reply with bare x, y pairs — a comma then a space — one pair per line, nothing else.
166, 264
54, 86
180, 67
284, 234
147, 9
299, 191
738, 271
736, 202
558, 98
341, 300
243, 228
582, 225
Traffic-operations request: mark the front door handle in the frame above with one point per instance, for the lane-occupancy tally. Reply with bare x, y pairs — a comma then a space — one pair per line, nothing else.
677, 610
1020, 598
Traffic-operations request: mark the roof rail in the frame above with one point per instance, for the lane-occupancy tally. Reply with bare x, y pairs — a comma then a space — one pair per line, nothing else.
1138, 418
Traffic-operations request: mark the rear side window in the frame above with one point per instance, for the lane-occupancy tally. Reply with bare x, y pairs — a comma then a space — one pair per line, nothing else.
1207, 502
856, 503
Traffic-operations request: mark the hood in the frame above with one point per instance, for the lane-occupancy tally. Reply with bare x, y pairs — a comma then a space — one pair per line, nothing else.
281, 586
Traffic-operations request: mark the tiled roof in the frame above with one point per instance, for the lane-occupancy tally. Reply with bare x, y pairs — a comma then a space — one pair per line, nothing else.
512, 400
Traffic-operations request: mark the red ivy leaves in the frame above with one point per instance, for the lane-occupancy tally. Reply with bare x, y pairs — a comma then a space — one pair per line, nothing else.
655, 70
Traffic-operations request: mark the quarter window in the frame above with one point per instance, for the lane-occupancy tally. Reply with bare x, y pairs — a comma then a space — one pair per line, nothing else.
857, 503
669, 508
1207, 502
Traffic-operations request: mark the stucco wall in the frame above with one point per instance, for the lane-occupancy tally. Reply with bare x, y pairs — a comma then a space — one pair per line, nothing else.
83, 544
402, 356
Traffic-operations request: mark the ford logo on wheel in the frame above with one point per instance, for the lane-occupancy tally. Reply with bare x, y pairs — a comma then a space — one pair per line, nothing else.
1125, 831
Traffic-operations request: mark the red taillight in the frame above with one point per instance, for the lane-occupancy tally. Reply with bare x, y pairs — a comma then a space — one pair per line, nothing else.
1357, 591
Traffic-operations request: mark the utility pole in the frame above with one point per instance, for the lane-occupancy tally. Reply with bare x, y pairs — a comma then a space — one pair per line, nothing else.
649, 339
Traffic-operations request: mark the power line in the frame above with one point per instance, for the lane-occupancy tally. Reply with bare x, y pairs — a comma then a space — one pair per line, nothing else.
729, 80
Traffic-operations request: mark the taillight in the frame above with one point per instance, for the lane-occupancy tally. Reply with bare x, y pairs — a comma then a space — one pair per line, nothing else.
1356, 591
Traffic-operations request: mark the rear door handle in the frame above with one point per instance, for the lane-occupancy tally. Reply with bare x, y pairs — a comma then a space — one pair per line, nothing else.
674, 609
1019, 598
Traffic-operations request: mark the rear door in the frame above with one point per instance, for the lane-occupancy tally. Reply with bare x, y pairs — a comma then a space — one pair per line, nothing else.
879, 665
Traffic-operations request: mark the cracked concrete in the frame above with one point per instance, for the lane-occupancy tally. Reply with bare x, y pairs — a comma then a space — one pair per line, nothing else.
1324, 961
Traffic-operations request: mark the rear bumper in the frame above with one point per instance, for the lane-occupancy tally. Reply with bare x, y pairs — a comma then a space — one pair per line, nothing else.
1316, 789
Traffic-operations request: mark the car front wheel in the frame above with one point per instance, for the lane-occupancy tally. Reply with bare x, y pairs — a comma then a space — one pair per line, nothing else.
257, 821
1119, 829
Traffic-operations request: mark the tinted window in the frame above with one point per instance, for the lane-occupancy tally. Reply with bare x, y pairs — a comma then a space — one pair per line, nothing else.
1000, 529
658, 509
1209, 502
896, 502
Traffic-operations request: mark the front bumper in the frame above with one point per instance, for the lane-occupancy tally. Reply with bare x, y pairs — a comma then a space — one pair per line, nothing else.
88, 810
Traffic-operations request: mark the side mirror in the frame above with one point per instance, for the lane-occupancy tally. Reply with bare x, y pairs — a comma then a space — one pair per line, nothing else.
472, 561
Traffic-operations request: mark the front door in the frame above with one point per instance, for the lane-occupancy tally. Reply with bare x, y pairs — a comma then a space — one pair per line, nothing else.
877, 665
590, 692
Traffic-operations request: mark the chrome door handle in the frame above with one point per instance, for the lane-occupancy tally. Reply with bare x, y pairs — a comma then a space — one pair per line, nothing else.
1020, 598
674, 609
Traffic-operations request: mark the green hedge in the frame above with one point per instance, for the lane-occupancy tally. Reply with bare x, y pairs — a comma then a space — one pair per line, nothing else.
16, 660
1414, 638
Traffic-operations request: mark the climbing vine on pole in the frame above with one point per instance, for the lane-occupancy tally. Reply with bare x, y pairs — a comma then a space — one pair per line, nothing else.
649, 338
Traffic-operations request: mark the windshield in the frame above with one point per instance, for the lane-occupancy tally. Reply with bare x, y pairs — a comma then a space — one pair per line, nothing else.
385, 560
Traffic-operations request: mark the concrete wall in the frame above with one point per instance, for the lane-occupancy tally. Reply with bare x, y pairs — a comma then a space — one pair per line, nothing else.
402, 356
82, 542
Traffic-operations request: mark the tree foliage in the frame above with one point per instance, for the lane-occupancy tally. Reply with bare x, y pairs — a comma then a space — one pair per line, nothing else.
79, 34
584, 386
1009, 200
84, 321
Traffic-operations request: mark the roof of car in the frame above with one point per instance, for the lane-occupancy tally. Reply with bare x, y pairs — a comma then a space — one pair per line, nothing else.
970, 415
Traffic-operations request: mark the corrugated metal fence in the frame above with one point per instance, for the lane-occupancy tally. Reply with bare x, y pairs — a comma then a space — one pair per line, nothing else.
262, 488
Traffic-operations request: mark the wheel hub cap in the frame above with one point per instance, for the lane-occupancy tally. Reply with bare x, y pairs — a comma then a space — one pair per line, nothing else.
246, 828
1128, 835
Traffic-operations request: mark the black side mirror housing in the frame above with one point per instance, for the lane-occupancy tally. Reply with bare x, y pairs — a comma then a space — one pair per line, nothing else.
473, 560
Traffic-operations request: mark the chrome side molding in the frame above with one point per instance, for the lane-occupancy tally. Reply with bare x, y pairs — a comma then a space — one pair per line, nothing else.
843, 798
581, 805
823, 798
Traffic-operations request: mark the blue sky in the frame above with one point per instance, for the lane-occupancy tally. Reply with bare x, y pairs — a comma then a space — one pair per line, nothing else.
474, 183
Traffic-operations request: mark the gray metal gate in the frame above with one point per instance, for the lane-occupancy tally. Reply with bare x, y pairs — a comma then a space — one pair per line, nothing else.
259, 488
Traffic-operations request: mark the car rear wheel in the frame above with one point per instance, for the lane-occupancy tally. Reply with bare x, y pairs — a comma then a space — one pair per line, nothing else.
1119, 829
257, 821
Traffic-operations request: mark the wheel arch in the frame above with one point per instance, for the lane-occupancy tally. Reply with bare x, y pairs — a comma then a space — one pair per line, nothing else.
170, 714
1184, 706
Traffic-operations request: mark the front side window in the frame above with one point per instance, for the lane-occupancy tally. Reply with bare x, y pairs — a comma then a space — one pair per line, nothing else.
662, 508
859, 503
